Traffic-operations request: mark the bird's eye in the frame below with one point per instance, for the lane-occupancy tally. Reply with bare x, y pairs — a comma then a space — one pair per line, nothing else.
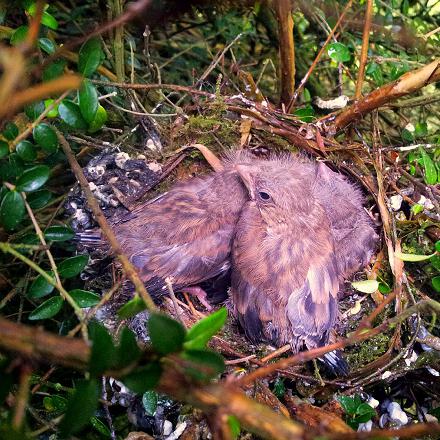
264, 195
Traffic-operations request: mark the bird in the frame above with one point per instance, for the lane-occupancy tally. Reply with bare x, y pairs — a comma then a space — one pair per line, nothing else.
287, 253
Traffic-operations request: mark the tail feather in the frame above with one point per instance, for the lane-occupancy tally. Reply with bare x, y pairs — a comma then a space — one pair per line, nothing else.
336, 363
89, 238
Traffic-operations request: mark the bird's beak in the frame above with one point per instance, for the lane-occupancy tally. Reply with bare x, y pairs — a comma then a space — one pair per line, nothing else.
245, 172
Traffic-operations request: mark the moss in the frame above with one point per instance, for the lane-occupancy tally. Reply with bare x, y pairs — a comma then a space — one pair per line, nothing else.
368, 351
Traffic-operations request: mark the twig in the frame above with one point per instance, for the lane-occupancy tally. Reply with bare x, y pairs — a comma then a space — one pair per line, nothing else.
22, 396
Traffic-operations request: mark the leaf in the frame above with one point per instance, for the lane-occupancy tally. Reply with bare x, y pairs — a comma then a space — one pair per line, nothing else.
412, 257
38, 199
149, 402
167, 335
306, 114
436, 283
54, 70
437, 246
47, 45
58, 233
4, 149
81, 407
103, 351
71, 267
128, 350
100, 426
202, 331
46, 138
49, 21
350, 404
89, 57
26, 150
48, 309
34, 110
339, 52
143, 378
12, 210
40, 287
364, 412
19, 35
132, 307
85, 298
234, 426
70, 113
54, 112
10, 131
430, 174
366, 286
33, 178
207, 364
55, 403
100, 119
88, 100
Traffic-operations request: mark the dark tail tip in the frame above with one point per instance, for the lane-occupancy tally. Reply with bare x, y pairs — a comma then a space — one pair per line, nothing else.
89, 238
335, 362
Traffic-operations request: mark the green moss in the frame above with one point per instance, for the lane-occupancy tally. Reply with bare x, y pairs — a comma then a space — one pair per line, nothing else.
367, 351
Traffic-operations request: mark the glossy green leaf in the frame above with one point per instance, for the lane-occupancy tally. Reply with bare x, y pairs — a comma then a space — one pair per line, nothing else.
364, 412
128, 350
49, 21
202, 331
234, 426
33, 178
306, 114
437, 245
103, 351
81, 407
132, 307
88, 100
436, 283
48, 309
70, 113
46, 138
34, 110
205, 364
99, 120
54, 112
85, 298
435, 261
412, 257
47, 45
366, 286
101, 427
38, 199
54, 70
55, 403
73, 266
430, 171
144, 378
58, 233
4, 149
374, 71
10, 132
149, 402
26, 150
350, 404
12, 210
167, 335
19, 35
40, 287
338, 52
384, 288
89, 57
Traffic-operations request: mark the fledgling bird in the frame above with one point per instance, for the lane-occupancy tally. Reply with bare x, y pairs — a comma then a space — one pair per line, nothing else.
285, 276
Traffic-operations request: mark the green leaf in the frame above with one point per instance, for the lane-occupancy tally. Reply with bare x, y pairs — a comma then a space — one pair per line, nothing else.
375, 72
26, 150
412, 257
71, 267
47, 45
100, 426
19, 35
206, 364
384, 288
49, 21
40, 287
437, 246
435, 261
143, 378
364, 412
149, 402
306, 114
407, 135
167, 335
366, 286
132, 307
54, 112
202, 331
81, 407
88, 100
436, 283
48, 309
33, 178
38, 199
46, 138
421, 129
10, 131
99, 121
339, 52
128, 350
350, 404
58, 233
416, 209
12, 210
85, 298
55, 403
234, 426
34, 110
54, 70
103, 351
4, 149
70, 113
89, 57
430, 174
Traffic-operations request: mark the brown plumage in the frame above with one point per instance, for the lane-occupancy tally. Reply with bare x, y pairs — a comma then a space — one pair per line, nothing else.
290, 251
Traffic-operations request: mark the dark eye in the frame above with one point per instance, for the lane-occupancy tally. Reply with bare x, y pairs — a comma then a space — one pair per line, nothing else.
264, 195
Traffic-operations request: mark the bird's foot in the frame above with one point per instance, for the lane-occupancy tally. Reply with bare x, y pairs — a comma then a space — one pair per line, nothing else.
200, 294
